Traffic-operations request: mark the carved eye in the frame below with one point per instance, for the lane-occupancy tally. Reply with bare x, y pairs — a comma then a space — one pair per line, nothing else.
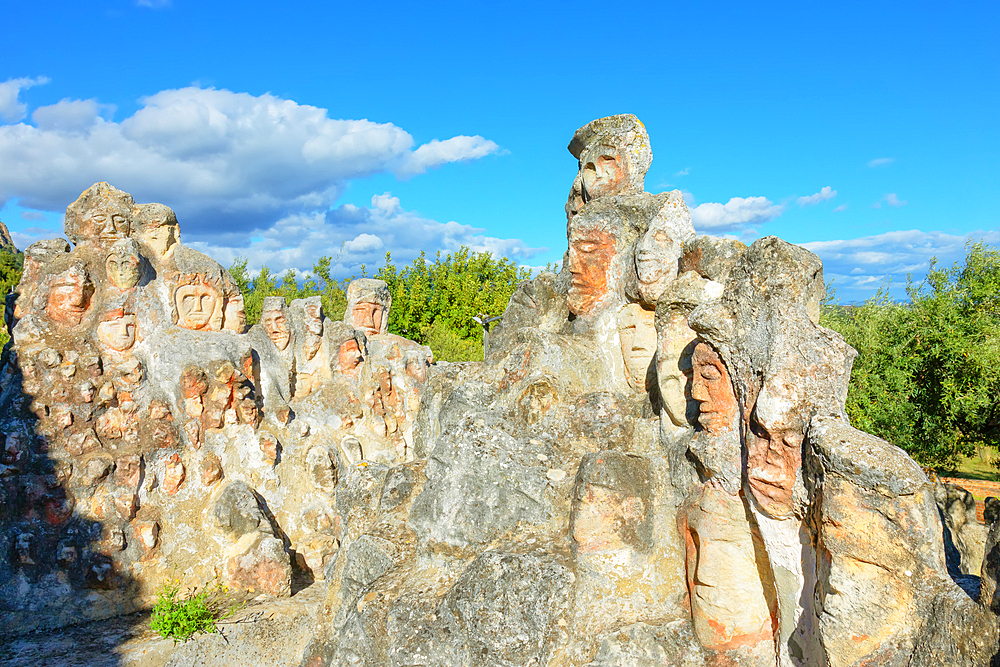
711, 373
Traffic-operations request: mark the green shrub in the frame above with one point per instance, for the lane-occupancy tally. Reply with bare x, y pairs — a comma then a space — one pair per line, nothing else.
181, 618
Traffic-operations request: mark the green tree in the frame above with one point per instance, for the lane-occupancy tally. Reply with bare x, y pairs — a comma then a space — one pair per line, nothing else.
11, 266
433, 303
927, 375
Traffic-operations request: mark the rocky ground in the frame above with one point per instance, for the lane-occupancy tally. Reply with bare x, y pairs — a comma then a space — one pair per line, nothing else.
270, 631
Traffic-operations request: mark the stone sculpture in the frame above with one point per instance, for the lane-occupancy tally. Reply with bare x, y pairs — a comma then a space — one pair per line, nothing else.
652, 466
368, 303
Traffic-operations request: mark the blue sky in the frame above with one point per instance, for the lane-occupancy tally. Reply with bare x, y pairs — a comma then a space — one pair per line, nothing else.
285, 131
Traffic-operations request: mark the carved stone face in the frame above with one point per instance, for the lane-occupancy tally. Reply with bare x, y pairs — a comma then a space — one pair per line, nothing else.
123, 268
117, 333
109, 221
638, 338
602, 518
199, 307
774, 453
314, 319
602, 172
590, 255
277, 328
70, 296
673, 366
236, 314
711, 387
367, 316
349, 357
158, 229
655, 262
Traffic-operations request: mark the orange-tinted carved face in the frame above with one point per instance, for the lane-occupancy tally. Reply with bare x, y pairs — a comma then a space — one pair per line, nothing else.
710, 386
367, 316
590, 254
774, 457
70, 296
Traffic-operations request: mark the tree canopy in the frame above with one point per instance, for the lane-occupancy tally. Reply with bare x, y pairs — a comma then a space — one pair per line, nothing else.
927, 376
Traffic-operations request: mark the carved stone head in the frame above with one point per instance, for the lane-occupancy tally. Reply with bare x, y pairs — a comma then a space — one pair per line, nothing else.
198, 303
274, 318
638, 339
102, 214
70, 295
611, 504
235, 314
156, 226
368, 304
123, 264
713, 390
117, 330
613, 154
658, 250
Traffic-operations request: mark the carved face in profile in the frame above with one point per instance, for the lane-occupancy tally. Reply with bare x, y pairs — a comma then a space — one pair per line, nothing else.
367, 316
122, 264
70, 296
656, 256
276, 327
590, 255
774, 450
199, 307
236, 314
158, 229
117, 331
314, 319
638, 338
710, 386
673, 366
349, 357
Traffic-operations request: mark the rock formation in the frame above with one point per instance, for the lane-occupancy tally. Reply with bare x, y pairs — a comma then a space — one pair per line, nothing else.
652, 466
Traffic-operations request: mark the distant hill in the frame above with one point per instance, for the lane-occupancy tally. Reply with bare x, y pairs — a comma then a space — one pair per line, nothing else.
6, 242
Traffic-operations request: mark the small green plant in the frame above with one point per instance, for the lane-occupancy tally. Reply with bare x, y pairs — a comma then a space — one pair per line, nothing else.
180, 618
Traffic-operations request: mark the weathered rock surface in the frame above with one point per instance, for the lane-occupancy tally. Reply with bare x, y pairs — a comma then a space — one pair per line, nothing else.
653, 465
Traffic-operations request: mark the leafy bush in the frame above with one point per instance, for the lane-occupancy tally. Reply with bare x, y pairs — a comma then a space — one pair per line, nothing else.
927, 374
182, 618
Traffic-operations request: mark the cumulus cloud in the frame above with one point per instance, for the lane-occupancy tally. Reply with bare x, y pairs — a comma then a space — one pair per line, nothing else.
881, 161
858, 267
221, 159
826, 192
841, 208
353, 236
735, 214
12, 109
683, 172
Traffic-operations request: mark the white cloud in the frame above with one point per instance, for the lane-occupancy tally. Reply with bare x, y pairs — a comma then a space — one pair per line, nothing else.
153, 4
683, 172
69, 116
353, 236
839, 209
859, 266
881, 161
222, 160
737, 213
891, 199
12, 109
826, 192
32, 215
